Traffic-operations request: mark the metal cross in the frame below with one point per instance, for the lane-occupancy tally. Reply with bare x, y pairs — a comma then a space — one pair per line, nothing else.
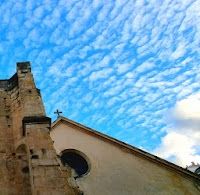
58, 113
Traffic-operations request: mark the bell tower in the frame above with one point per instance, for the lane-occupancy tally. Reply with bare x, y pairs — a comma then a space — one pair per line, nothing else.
29, 164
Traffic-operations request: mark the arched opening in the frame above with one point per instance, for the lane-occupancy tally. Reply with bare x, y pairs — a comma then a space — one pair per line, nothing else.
77, 161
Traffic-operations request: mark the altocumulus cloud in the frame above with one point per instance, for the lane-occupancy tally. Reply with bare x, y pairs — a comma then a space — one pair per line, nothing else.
116, 66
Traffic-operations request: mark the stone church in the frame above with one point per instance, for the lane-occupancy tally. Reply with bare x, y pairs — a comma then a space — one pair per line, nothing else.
39, 157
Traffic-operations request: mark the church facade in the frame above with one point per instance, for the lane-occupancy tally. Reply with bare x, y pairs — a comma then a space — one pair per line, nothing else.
39, 157
115, 168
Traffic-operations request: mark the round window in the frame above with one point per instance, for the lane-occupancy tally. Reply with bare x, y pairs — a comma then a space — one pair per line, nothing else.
197, 171
76, 161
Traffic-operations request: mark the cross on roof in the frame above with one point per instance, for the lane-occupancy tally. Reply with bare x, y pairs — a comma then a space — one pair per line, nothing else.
58, 113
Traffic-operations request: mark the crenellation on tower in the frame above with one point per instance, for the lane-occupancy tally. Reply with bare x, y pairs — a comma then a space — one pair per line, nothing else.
9, 84
24, 67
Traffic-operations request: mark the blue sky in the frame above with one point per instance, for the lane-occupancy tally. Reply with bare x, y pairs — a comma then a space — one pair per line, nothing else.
128, 68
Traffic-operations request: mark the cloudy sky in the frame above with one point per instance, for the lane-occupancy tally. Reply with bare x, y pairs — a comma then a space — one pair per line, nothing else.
130, 69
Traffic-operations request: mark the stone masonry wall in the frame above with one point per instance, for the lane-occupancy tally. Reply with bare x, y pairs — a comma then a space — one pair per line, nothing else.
7, 161
28, 162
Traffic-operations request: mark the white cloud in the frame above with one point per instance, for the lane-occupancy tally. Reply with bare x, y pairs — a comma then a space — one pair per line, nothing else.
122, 68
180, 147
188, 108
101, 74
182, 142
146, 66
179, 52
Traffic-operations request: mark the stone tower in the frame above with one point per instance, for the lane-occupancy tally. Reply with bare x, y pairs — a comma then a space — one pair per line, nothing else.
28, 162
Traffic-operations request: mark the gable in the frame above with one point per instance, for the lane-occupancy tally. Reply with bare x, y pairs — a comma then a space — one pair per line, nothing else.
110, 159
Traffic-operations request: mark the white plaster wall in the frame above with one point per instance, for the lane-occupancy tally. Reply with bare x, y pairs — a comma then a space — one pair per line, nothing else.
115, 171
